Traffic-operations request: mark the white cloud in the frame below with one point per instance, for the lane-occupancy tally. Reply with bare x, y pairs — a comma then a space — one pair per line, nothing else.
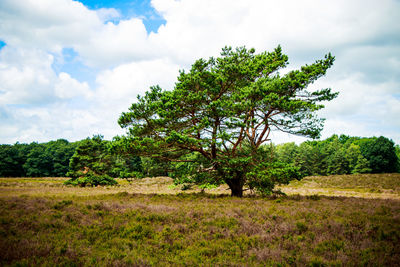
67, 87
114, 44
47, 25
118, 88
51, 25
197, 28
377, 63
126, 60
52, 122
362, 109
129, 80
27, 77
106, 14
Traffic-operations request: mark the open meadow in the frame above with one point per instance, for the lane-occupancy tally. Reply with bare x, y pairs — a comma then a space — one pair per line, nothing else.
347, 220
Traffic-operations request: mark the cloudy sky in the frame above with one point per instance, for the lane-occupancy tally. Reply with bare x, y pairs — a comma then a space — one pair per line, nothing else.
69, 68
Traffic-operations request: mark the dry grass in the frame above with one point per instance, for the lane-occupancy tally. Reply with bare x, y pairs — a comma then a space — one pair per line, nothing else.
386, 186
55, 187
151, 223
193, 229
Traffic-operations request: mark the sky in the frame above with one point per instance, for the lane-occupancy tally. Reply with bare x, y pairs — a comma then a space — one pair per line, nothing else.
68, 69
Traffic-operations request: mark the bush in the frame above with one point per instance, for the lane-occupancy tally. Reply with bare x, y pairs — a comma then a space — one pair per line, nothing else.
91, 179
263, 180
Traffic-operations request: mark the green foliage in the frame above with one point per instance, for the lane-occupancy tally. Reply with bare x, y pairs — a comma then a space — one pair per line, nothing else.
53, 159
397, 150
341, 155
223, 110
125, 166
38, 162
91, 163
92, 155
334, 155
44, 159
12, 158
152, 167
60, 152
265, 176
380, 153
308, 159
96, 163
336, 162
92, 179
287, 152
357, 163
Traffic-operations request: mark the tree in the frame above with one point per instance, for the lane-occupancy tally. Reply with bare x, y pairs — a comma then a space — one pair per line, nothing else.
222, 111
91, 163
335, 152
287, 152
11, 161
48, 159
309, 159
39, 162
152, 167
126, 166
357, 163
60, 152
380, 153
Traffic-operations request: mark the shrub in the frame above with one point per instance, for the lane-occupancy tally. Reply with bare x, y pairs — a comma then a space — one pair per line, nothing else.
92, 179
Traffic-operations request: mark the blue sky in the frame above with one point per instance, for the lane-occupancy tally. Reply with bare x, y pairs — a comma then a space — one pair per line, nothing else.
128, 9
69, 68
69, 62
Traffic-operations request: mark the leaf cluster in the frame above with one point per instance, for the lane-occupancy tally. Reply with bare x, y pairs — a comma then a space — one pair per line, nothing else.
36, 159
222, 105
95, 163
341, 155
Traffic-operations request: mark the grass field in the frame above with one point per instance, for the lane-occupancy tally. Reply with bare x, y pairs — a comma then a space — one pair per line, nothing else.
324, 221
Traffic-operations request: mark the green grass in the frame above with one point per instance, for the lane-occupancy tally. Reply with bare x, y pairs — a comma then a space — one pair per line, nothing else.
41, 226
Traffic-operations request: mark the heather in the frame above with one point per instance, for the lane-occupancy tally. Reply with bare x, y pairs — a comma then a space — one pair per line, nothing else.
43, 222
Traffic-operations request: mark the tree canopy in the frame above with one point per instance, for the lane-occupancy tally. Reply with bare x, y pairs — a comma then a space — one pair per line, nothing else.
36, 160
334, 155
94, 163
381, 154
223, 110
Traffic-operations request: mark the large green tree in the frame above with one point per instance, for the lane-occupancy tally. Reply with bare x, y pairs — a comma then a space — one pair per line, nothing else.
38, 162
91, 163
222, 111
95, 163
380, 153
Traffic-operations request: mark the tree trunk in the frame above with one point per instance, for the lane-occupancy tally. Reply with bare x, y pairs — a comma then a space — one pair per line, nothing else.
236, 186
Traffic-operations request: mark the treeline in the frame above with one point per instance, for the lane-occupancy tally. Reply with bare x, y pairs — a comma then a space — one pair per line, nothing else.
36, 160
335, 155
98, 157
342, 155
62, 158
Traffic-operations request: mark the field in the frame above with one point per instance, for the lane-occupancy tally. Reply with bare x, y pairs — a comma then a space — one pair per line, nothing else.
323, 221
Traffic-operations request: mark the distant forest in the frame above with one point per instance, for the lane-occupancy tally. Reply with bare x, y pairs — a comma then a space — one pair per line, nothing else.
334, 155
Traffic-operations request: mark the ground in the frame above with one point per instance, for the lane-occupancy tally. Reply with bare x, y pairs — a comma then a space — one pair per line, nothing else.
333, 220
